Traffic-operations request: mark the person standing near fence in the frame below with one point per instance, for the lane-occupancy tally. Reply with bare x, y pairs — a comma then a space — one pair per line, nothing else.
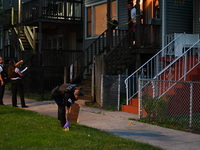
2, 81
15, 76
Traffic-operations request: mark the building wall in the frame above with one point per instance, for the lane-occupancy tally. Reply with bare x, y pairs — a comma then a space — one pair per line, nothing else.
197, 16
179, 16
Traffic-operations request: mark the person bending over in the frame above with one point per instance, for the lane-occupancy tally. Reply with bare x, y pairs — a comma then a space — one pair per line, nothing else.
65, 95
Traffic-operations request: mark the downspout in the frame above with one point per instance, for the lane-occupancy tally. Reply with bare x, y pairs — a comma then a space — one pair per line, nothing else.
163, 23
18, 28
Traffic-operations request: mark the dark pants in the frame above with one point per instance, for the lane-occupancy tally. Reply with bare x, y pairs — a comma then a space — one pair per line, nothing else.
16, 85
2, 89
61, 111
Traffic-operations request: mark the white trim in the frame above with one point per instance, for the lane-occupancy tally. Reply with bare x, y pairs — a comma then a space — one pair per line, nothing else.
97, 3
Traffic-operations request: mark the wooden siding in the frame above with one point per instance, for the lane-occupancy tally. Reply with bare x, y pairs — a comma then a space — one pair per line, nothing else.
179, 17
90, 2
122, 15
197, 16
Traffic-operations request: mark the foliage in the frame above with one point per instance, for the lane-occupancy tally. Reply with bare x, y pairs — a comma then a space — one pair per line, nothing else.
155, 107
161, 107
22, 129
148, 104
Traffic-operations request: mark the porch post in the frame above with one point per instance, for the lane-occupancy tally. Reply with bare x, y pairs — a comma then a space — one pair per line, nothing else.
163, 23
109, 31
19, 11
138, 23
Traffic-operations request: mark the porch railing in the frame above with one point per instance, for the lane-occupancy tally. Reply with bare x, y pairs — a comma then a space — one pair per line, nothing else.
153, 68
165, 65
178, 68
54, 9
99, 46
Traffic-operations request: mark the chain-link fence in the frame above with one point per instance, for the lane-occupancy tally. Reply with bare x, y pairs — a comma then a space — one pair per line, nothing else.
178, 105
113, 91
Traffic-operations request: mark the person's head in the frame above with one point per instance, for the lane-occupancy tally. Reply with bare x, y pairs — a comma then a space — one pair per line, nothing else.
78, 92
11, 63
1, 60
130, 6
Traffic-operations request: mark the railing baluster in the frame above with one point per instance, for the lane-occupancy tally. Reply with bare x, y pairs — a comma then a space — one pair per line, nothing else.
168, 63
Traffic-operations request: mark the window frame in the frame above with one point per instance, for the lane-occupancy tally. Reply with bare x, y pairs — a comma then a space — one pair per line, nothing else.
92, 18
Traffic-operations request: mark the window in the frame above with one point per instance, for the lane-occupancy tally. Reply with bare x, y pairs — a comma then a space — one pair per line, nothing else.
55, 42
97, 18
74, 10
89, 21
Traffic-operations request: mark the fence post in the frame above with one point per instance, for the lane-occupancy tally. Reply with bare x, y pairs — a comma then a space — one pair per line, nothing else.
139, 99
191, 93
101, 103
118, 102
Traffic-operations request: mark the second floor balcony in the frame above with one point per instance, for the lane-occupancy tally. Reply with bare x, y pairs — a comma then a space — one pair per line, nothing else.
66, 10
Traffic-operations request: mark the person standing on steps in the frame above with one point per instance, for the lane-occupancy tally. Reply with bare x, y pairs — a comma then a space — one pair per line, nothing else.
3, 79
133, 23
15, 76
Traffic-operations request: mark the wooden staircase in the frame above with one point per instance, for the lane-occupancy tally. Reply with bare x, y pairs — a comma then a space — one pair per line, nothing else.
86, 85
24, 40
175, 93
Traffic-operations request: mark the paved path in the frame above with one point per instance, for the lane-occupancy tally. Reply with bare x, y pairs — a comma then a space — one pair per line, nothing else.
117, 122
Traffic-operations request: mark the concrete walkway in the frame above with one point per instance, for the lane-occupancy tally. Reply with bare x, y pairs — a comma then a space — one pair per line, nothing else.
118, 123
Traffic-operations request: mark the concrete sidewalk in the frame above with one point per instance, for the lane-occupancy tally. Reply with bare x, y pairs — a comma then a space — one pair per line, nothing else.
118, 123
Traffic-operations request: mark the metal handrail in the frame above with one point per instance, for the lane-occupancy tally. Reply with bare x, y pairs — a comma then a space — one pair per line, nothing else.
97, 47
186, 62
150, 69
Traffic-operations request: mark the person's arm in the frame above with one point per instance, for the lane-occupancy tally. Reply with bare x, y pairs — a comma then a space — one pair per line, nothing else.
1, 79
19, 72
19, 62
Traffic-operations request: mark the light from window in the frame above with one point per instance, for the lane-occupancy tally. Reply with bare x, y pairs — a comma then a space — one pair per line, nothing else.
98, 24
89, 21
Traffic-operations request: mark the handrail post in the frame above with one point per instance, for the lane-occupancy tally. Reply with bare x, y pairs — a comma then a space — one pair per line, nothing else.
191, 93
127, 91
139, 99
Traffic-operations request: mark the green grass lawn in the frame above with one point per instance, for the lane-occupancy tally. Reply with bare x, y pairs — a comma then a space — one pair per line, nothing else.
27, 130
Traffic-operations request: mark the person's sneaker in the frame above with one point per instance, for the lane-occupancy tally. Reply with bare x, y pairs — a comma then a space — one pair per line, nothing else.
15, 106
24, 106
67, 124
66, 129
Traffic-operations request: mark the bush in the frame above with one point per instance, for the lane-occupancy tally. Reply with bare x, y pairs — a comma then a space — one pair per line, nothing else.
155, 107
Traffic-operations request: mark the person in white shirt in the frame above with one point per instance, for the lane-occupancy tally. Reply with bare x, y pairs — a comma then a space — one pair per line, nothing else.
15, 76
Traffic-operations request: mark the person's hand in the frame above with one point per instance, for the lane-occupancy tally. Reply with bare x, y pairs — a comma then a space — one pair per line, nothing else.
21, 61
